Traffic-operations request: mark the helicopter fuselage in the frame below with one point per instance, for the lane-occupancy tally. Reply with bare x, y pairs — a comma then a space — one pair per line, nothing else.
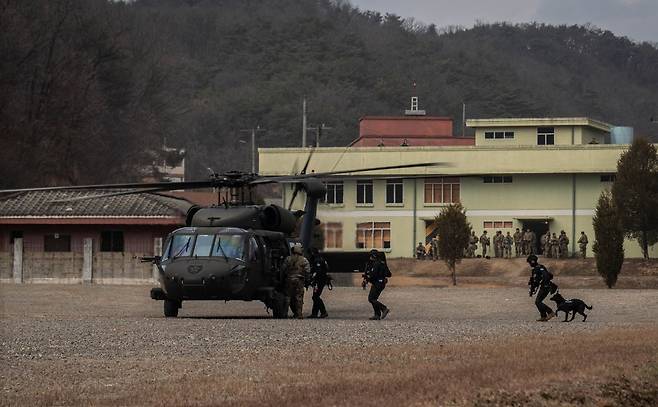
221, 263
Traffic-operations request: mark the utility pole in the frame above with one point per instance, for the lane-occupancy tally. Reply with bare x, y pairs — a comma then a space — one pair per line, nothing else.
253, 146
318, 132
304, 122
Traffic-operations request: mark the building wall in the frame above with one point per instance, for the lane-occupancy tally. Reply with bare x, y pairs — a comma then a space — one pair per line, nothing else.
39, 265
460, 161
531, 196
564, 135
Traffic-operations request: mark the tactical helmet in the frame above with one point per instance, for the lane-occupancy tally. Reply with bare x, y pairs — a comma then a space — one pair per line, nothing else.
297, 249
532, 259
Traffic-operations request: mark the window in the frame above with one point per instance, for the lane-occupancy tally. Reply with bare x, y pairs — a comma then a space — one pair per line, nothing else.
498, 135
57, 243
373, 235
230, 246
393, 191
111, 241
203, 245
505, 179
165, 252
545, 136
333, 235
442, 190
181, 245
364, 192
489, 224
608, 178
334, 192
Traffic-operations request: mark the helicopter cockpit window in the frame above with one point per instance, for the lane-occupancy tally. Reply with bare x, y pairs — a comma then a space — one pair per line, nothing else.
229, 246
181, 245
203, 245
165, 252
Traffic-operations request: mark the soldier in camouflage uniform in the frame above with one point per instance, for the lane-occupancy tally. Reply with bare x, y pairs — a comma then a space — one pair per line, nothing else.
435, 248
555, 246
533, 242
518, 239
498, 243
527, 241
582, 244
564, 245
485, 242
546, 243
295, 268
508, 241
472, 244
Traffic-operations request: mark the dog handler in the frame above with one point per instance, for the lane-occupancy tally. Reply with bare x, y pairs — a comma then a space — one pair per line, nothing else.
540, 279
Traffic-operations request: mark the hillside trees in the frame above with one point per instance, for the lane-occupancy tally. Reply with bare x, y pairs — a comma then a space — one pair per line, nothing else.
80, 99
124, 76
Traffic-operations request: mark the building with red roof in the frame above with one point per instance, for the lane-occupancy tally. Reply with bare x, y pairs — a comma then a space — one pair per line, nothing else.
412, 129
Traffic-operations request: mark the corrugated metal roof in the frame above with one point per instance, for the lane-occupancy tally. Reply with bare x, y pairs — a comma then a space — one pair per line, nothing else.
39, 204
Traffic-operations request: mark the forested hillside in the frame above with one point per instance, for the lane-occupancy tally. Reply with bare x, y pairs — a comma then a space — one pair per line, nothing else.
89, 88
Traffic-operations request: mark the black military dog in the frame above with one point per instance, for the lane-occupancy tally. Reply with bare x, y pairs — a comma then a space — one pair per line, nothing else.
573, 305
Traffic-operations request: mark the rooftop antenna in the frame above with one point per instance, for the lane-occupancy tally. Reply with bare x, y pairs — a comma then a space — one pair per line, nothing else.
414, 111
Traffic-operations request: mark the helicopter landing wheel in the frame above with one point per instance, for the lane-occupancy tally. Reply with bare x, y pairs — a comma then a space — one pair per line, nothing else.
171, 308
279, 306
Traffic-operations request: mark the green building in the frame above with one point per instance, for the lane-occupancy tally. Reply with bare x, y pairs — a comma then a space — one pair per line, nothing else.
531, 173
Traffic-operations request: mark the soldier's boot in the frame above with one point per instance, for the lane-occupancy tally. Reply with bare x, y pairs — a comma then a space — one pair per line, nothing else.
550, 315
375, 318
385, 312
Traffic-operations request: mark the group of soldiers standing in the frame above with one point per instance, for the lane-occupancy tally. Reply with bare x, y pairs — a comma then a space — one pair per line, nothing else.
525, 244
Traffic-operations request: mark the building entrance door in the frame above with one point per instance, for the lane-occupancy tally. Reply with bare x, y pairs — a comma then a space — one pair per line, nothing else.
539, 227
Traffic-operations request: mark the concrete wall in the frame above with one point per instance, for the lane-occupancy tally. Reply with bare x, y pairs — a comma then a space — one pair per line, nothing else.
85, 262
6, 263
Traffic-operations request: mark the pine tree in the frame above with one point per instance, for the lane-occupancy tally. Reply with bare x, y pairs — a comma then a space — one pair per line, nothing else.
453, 232
635, 192
609, 239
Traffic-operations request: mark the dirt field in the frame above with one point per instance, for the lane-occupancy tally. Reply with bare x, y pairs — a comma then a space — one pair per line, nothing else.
110, 345
570, 273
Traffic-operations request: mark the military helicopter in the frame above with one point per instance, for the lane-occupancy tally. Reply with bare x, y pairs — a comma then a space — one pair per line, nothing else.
232, 250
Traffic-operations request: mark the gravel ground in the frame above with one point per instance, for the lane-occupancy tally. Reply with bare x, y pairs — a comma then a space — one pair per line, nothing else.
53, 332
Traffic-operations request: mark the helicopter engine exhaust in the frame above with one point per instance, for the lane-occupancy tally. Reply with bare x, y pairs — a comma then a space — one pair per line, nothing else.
279, 219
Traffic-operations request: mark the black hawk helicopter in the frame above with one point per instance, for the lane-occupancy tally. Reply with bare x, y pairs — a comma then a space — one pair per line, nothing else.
233, 250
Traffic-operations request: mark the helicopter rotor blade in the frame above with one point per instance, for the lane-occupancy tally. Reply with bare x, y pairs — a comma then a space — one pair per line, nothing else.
294, 195
296, 178
308, 160
121, 193
165, 186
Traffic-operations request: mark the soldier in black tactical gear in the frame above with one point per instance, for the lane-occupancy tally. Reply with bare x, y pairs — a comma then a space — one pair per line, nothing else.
376, 274
541, 279
319, 279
